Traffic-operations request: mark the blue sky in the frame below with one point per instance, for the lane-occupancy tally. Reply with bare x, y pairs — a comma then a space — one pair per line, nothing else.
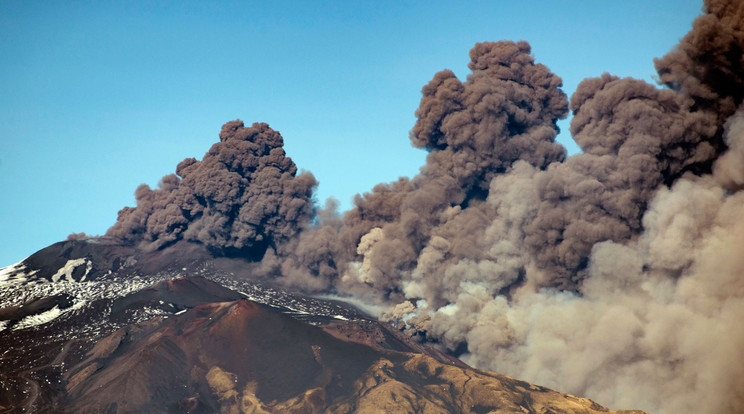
98, 97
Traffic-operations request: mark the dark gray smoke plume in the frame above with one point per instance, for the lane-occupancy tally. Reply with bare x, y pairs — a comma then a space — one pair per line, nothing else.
475, 130
243, 197
614, 274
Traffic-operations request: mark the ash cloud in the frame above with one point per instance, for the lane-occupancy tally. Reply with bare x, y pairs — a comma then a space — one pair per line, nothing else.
613, 274
616, 273
242, 198
506, 111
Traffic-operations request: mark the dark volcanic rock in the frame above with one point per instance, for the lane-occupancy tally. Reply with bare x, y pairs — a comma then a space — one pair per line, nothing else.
95, 326
92, 258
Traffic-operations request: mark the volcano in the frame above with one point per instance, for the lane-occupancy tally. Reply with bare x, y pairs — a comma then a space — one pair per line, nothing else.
614, 273
92, 326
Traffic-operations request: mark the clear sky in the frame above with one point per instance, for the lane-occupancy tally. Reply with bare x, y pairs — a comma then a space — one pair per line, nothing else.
97, 97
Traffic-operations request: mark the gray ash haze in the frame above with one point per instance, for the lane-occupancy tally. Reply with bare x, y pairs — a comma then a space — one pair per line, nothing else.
615, 274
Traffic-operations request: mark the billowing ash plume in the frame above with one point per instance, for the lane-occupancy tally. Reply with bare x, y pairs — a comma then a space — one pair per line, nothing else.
614, 274
243, 197
475, 130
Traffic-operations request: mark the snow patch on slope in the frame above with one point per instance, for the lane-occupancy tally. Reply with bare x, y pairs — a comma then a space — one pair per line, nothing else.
14, 274
7, 271
40, 319
70, 267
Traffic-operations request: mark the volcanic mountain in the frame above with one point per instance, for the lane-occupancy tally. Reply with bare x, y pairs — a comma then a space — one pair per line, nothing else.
99, 334
614, 273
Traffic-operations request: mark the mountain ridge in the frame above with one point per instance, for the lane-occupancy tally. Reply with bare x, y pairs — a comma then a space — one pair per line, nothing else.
127, 339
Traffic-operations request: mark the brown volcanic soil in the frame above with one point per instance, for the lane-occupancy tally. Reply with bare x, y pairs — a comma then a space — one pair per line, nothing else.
384, 335
243, 357
155, 369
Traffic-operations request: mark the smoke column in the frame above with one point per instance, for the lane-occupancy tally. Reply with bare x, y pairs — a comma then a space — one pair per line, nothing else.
614, 274
243, 197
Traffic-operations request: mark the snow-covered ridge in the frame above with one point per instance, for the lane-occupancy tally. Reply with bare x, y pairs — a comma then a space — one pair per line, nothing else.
18, 286
6, 271
46, 317
15, 274
87, 290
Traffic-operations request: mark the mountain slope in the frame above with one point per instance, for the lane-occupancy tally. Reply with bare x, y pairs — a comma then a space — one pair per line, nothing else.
93, 326
243, 357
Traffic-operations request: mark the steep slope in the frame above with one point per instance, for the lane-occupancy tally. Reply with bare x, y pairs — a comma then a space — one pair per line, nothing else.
92, 326
282, 357
243, 357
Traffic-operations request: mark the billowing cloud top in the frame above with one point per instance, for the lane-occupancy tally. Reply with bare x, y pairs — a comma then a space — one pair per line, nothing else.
244, 196
615, 273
